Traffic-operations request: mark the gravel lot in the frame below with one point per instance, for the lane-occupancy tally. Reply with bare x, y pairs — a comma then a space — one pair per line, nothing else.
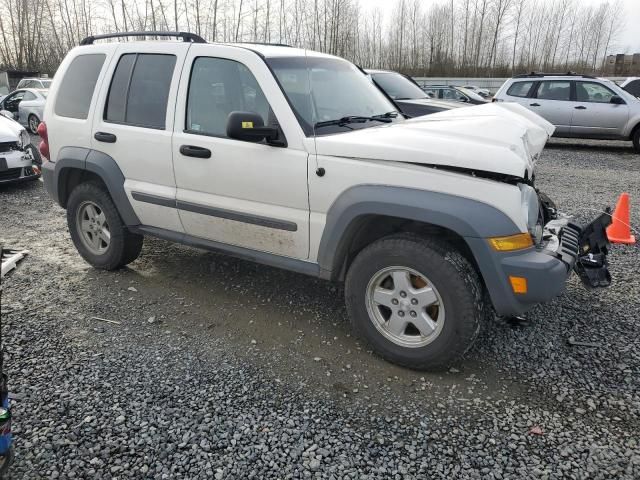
219, 368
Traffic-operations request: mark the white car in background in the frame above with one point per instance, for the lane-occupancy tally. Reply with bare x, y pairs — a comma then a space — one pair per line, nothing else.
26, 106
40, 83
19, 159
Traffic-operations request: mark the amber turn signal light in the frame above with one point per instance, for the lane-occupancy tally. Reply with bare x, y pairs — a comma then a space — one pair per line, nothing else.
512, 242
518, 284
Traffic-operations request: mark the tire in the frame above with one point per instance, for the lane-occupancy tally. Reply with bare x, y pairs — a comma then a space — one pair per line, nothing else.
32, 123
636, 140
441, 268
35, 153
123, 246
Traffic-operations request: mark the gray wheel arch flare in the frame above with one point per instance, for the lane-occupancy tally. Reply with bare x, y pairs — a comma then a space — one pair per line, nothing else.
471, 219
98, 163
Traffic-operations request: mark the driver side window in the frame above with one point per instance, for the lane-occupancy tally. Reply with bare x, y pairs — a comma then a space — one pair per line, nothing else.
593, 92
218, 87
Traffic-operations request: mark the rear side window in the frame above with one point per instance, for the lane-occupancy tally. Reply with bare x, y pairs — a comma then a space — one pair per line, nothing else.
554, 90
139, 90
78, 84
520, 89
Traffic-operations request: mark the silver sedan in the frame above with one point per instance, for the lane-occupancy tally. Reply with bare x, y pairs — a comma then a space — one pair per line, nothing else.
26, 106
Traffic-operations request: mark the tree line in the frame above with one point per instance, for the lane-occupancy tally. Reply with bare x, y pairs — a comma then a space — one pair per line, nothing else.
426, 38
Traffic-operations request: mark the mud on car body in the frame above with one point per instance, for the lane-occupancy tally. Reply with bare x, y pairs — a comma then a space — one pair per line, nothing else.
295, 159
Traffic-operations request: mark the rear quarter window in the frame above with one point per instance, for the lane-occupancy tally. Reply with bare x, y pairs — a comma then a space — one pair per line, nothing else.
77, 86
520, 89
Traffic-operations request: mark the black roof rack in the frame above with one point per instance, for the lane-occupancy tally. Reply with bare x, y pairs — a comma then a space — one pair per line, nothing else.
261, 43
563, 74
185, 36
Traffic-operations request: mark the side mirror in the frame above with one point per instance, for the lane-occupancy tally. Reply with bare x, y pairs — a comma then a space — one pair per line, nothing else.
249, 127
7, 114
617, 100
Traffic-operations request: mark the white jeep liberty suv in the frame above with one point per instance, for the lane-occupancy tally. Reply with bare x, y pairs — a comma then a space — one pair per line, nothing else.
294, 159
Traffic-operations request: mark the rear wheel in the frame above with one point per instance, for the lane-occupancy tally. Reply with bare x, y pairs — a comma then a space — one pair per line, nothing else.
97, 230
33, 121
417, 301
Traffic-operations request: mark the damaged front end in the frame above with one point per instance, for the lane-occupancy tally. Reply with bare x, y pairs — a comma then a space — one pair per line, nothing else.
581, 248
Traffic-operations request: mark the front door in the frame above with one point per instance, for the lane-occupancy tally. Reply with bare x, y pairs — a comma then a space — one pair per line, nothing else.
12, 102
251, 195
594, 115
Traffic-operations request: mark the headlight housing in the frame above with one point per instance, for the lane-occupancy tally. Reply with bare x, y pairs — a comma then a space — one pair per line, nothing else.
531, 211
23, 139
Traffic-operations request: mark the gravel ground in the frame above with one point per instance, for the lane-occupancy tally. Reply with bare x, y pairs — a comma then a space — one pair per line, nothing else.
219, 368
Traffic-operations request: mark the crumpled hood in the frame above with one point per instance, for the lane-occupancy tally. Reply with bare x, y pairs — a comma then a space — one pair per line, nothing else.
9, 130
501, 138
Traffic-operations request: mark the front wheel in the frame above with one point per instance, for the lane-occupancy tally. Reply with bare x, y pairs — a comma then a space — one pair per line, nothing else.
417, 301
636, 140
97, 230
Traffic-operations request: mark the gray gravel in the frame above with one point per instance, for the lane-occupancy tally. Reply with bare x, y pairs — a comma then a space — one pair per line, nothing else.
219, 368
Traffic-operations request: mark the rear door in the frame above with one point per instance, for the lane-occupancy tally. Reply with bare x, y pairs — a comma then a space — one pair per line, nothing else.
594, 114
133, 125
552, 101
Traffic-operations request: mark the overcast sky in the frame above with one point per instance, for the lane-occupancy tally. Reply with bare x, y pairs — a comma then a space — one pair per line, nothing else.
628, 40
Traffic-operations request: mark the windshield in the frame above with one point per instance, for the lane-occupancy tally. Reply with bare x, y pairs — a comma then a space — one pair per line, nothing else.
46, 83
321, 90
398, 87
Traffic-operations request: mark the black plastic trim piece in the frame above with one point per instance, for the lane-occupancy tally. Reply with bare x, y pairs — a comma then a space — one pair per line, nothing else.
237, 216
154, 199
185, 36
216, 212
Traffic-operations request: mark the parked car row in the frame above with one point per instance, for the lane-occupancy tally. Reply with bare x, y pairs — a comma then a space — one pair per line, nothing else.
26, 106
19, 159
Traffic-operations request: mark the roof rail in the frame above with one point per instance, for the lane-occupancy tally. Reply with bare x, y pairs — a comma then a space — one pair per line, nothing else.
262, 43
185, 36
541, 74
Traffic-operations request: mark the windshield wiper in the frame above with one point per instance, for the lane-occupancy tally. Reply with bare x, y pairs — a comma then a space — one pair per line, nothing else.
384, 118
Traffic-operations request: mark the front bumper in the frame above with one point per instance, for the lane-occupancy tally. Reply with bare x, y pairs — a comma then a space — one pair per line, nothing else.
567, 247
17, 166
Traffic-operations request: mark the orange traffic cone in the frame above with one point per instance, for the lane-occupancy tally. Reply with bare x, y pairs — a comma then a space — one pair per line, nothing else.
620, 229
